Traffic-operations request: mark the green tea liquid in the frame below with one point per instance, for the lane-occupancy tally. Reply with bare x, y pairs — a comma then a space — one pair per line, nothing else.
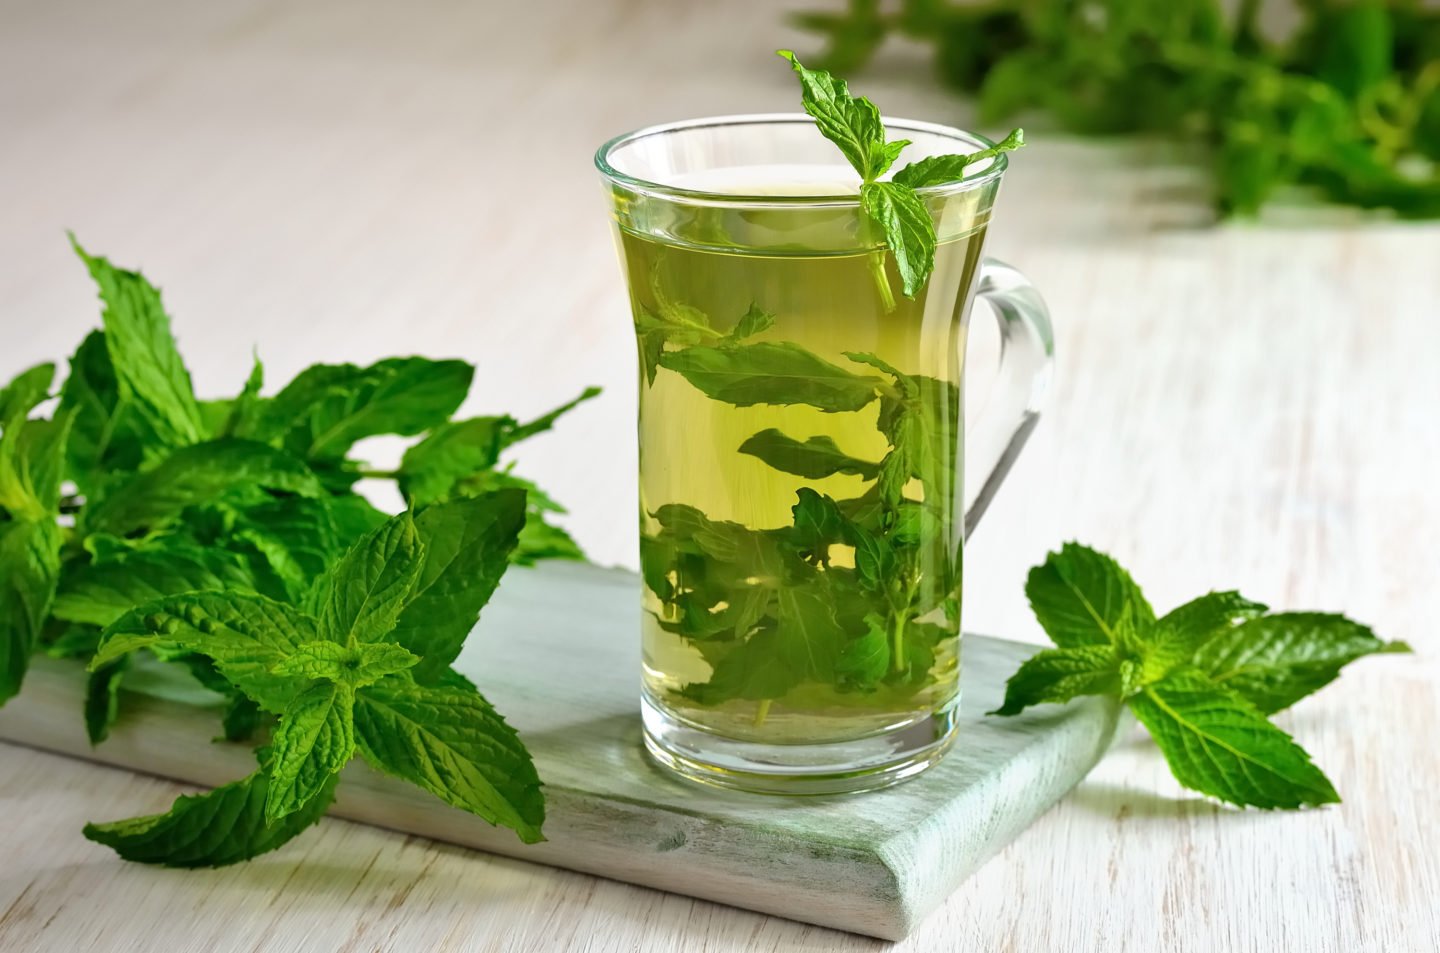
826, 304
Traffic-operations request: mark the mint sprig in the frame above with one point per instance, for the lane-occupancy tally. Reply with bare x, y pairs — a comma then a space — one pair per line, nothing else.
1201, 678
853, 123
226, 537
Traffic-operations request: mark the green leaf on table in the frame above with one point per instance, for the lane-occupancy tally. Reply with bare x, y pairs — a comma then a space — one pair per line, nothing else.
220, 827
1181, 632
544, 422
102, 698
355, 665
32, 464
1276, 660
327, 408
467, 545
1080, 596
430, 469
814, 458
296, 538
370, 586
29, 571
27, 391
908, 228
770, 373
245, 635
1221, 745
192, 475
100, 592
1058, 675
108, 437
149, 374
449, 741
314, 740
940, 170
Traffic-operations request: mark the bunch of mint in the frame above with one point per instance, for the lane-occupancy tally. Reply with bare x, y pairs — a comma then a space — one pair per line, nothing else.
1202, 678
226, 537
1345, 103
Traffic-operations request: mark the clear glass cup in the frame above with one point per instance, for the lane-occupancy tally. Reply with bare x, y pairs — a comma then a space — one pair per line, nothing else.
802, 509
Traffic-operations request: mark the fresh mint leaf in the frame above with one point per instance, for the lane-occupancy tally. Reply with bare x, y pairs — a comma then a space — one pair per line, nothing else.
1219, 744
1276, 660
26, 392
325, 410
241, 413
370, 586
1180, 633
107, 439
1058, 675
430, 469
32, 462
864, 661
852, 123
544, 422
149, 373
314, 740
296, 538
100, 592
201, 473
908, 228
245, 635
814, 458
220, 827
466, 545
770, 373
940, 170
102, 698
1080, 596
355, 665
449, 741
29, 571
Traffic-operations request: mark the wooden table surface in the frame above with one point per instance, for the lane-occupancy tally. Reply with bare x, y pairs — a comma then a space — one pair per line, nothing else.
1250, 406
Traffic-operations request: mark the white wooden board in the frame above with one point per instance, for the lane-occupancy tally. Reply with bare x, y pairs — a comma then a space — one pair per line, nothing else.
557, 651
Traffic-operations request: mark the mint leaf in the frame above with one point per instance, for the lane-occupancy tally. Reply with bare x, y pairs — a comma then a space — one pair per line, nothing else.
150, 376
1058, 675
755, 320
430, 469
863, 662
223, 826
447, 739
23, 394
369, 587
245, 635
29, 570
1276, 660
321, 414
467, 544
295, 539
852, 123
243, 411
1080, 595
1180, 633
940, 170
103, 591
355, 665
770, 373
102, 698
32, 461
192, 475
815, 458
314, 740
908, 228
1219, 744
544, 422
107, 438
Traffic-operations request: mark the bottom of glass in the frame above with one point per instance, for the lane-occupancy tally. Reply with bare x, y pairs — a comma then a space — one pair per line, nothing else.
842, 767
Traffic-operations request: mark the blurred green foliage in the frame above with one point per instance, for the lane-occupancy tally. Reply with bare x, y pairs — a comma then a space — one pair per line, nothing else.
1347, 103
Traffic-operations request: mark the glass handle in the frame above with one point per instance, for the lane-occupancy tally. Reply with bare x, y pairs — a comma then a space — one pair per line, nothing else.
1027, 349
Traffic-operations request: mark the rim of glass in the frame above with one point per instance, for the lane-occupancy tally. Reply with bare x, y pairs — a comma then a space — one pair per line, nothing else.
602, 160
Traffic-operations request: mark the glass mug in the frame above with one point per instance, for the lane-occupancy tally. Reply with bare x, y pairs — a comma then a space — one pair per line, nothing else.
802, 512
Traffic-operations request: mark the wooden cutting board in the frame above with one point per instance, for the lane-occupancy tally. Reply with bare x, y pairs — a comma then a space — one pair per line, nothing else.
557, 652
